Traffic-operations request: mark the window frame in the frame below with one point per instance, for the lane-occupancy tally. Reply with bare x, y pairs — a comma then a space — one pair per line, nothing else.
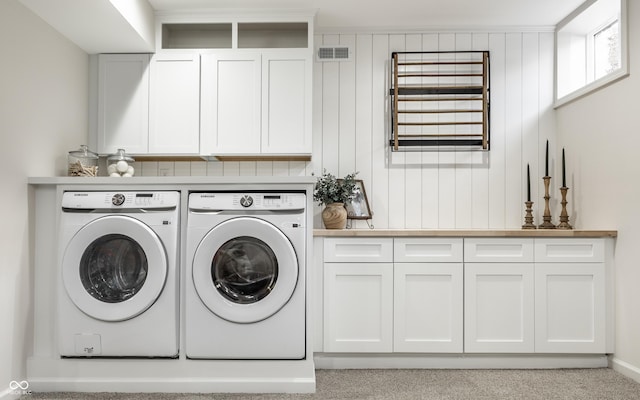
590, 85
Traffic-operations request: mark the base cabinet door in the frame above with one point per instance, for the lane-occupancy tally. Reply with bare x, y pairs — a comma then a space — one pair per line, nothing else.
499, 308
358, 307
428, 308
570, 308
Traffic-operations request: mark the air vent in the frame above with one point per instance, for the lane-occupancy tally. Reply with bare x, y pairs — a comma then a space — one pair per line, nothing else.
333, 53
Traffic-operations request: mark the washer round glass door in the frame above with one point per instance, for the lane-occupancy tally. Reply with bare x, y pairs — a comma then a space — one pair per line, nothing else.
114, 268
245, 270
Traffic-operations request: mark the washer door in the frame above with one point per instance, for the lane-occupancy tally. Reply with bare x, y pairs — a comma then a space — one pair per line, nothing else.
245, 270
114, 268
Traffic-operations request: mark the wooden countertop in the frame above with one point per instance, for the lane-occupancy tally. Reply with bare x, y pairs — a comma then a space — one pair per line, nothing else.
463, 233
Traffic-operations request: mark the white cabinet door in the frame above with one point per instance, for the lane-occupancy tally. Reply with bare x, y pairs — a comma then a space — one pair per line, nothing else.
123, 103
499, 308
570, 308
231, 103
428, 307
286, 103
358, 307
174, 114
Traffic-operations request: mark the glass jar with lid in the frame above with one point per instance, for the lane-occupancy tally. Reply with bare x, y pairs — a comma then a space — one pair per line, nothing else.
82, 162
120, 164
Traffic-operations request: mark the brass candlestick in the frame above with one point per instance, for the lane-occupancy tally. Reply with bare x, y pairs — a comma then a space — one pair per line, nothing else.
528, 218
546, 217
564, 216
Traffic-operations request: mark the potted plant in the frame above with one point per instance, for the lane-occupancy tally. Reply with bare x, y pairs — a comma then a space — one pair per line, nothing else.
334, 193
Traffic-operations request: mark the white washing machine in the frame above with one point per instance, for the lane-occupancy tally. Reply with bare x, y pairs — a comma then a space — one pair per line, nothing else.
118, 295
245, 278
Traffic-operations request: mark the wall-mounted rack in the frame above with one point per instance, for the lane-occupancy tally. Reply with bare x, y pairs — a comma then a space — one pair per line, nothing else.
439, 100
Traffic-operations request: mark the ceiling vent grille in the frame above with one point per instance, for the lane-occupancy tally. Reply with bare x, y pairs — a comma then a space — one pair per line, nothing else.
333, 53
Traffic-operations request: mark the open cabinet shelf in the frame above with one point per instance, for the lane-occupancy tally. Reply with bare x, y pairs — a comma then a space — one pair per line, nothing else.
439, 100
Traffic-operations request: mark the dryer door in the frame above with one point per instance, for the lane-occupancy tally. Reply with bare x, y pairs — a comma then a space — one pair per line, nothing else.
114, 268
245, 270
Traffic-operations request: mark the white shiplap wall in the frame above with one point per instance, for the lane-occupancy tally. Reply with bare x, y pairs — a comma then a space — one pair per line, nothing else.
428, 189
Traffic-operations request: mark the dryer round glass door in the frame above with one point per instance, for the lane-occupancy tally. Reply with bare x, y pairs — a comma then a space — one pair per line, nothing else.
245, 270
114, 268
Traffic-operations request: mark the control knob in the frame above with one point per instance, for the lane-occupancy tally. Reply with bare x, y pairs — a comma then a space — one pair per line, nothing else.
117, 199
246, 201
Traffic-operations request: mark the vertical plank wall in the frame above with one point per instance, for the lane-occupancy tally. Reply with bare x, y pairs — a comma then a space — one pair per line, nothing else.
423, 189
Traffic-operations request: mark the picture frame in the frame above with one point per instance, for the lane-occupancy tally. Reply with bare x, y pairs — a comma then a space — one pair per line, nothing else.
358, 207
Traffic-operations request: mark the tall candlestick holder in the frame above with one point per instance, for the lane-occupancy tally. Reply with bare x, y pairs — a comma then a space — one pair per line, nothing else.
546, 217
564, 216
528, 218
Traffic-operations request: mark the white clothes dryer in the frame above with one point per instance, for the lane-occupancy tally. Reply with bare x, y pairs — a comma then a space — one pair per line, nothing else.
245, 285
118, 292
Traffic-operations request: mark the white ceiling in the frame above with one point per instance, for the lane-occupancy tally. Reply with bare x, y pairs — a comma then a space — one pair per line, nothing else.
111, 26
353, 15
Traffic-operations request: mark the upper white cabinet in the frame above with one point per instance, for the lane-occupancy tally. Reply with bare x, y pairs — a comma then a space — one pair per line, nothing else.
174, 104
286, 103
256, 103
234, 86
149, 104
123, 103
231, 115
256, 80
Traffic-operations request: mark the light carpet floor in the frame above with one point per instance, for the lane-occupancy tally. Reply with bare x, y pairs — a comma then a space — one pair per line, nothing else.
565, 384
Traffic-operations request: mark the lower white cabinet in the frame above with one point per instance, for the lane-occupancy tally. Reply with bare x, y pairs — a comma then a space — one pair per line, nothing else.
570, 308
427, 308
499, 295
379, 306
499, 308
570, 296
358, 306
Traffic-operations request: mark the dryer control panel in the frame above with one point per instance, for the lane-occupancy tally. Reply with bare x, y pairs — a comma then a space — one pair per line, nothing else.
247, 201
119, 200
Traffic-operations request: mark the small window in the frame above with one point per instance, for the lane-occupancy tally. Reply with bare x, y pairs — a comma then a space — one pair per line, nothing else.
606, 50
590, 48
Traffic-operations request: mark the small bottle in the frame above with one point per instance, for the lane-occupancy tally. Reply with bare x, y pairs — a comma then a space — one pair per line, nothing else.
120, 164
83, 162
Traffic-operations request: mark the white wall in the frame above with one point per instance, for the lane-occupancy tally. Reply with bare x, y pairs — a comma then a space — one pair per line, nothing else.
600, 133
424, 190
43, 114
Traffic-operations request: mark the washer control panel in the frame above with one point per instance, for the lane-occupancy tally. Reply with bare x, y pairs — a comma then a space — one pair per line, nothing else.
247, 201
119, 200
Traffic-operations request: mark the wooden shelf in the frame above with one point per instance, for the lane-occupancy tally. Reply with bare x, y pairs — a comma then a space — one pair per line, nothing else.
463, 233
421, 81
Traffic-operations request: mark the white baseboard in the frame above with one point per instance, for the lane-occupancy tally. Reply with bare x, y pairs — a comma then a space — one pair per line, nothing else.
181, 385
455, 361
626, 369
47, 374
